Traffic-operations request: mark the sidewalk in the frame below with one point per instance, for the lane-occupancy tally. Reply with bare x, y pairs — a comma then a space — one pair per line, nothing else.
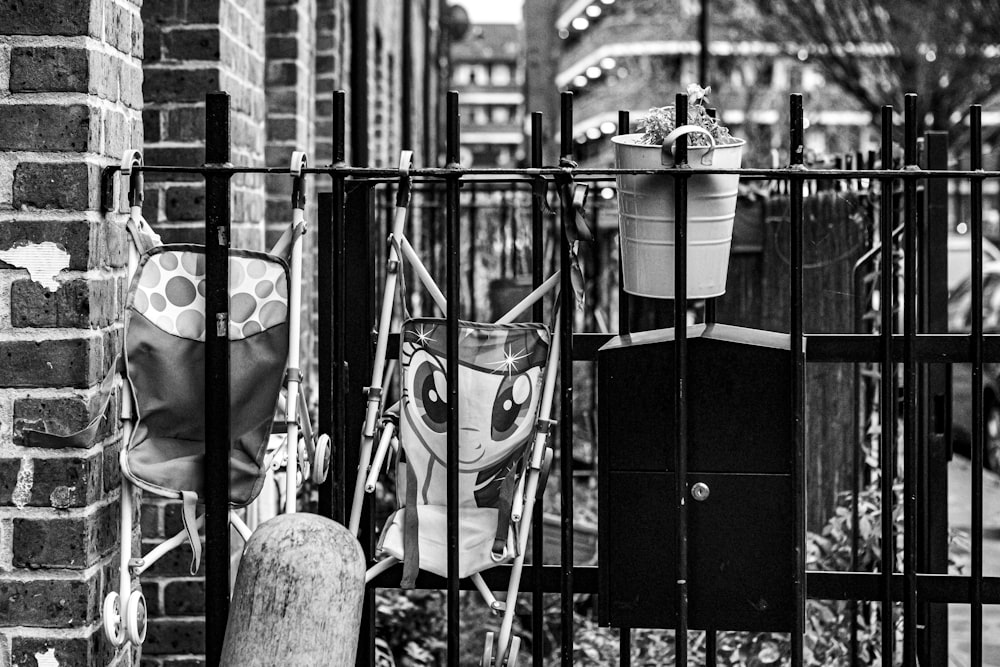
960, 517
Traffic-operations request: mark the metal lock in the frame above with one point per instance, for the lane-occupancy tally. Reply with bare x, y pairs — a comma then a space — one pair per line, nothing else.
700, 491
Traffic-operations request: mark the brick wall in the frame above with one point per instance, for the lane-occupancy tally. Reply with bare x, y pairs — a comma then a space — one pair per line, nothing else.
193, 48
70, 100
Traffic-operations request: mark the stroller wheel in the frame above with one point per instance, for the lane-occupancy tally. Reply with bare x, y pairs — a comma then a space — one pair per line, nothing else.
135, 618
305, 463
321, 459
488, 651
111, 615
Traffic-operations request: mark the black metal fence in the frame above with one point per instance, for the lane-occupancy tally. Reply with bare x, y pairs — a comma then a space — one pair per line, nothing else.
902, 355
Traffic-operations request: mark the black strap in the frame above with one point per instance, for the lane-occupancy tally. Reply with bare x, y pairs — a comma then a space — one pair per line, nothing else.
84, 438
411, 531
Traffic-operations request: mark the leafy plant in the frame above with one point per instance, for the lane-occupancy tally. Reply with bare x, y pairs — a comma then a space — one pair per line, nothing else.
661, 121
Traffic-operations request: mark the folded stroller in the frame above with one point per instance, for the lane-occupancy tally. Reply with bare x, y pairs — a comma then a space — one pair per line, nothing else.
163, 393
506, 380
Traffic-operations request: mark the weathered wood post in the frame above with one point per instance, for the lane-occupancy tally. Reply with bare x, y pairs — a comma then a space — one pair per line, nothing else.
298, 595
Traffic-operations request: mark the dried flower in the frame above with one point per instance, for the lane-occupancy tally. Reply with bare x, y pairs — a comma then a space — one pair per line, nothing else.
661, 121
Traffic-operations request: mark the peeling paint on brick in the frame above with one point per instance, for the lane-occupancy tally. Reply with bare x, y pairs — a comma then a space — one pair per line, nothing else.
25, 480
43, 261
47, 659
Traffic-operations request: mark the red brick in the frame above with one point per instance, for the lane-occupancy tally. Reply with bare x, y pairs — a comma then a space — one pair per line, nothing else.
61, 17
152, 37
61, 483
181, 11
151, 123
49, 69
184, 598
182, 156
45, 127
118, 27
282, 129
50, 603
56, 185
77, 303
179, 85
282, 19
68, 652
112, 473
282, 47
185, 203
73, 543
186, 124
174, 636
186, 43
58, 362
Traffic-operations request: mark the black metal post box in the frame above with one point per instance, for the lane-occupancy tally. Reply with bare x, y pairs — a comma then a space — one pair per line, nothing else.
741, 543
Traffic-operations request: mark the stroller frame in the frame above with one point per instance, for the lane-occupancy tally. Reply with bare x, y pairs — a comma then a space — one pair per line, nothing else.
531, 482
302, 452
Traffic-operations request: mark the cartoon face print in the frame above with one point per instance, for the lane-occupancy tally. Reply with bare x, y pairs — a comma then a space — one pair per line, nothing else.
495, 412
498, 393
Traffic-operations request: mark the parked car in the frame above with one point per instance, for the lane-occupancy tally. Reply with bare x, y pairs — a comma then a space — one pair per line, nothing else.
960, 321
960, 257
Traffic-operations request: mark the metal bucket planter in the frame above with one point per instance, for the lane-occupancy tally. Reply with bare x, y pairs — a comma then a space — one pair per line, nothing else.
646, 216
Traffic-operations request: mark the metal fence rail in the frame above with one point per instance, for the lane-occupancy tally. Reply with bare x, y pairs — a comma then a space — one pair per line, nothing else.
346, 301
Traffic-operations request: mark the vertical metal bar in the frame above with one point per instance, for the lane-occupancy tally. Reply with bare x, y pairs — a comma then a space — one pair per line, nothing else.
936, 422
887, 389
472, 261
406, 89
453, 296
333, 375
624, 314
624, 647
910, 232
217, 417
703, 39
680, 382
359, 82
711, 305
976, 215
798, 379
537, 315
358, 297
566, 307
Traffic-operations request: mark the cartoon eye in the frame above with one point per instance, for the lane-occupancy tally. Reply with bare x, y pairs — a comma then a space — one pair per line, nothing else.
510, 405
431, 389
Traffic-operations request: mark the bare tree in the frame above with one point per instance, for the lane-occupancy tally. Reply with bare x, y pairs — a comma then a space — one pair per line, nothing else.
878, 50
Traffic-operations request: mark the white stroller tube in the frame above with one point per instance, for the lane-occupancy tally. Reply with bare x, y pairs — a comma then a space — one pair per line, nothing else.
378, 368
294, 379
388, 431
537, 456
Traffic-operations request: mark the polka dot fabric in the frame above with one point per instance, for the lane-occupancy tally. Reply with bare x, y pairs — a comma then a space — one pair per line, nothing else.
170, 292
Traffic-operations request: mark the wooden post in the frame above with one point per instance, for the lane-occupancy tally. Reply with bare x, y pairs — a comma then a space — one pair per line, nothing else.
298, 595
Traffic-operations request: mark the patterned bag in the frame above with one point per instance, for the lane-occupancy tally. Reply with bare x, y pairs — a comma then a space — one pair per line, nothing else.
165, 349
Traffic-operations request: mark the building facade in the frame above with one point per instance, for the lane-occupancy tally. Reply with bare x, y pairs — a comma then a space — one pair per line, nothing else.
487, 69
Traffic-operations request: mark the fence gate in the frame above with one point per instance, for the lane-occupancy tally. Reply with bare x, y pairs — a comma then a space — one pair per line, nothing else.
712, 490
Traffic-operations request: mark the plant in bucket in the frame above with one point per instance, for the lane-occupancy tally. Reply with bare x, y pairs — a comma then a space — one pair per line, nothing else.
646, 201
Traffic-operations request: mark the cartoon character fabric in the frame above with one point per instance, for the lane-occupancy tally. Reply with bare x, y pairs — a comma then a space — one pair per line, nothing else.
501, 370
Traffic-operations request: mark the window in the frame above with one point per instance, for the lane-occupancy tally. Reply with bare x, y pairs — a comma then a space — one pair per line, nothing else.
501, 75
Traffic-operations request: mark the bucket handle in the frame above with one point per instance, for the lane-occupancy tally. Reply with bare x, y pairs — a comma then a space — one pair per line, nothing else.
668, 144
